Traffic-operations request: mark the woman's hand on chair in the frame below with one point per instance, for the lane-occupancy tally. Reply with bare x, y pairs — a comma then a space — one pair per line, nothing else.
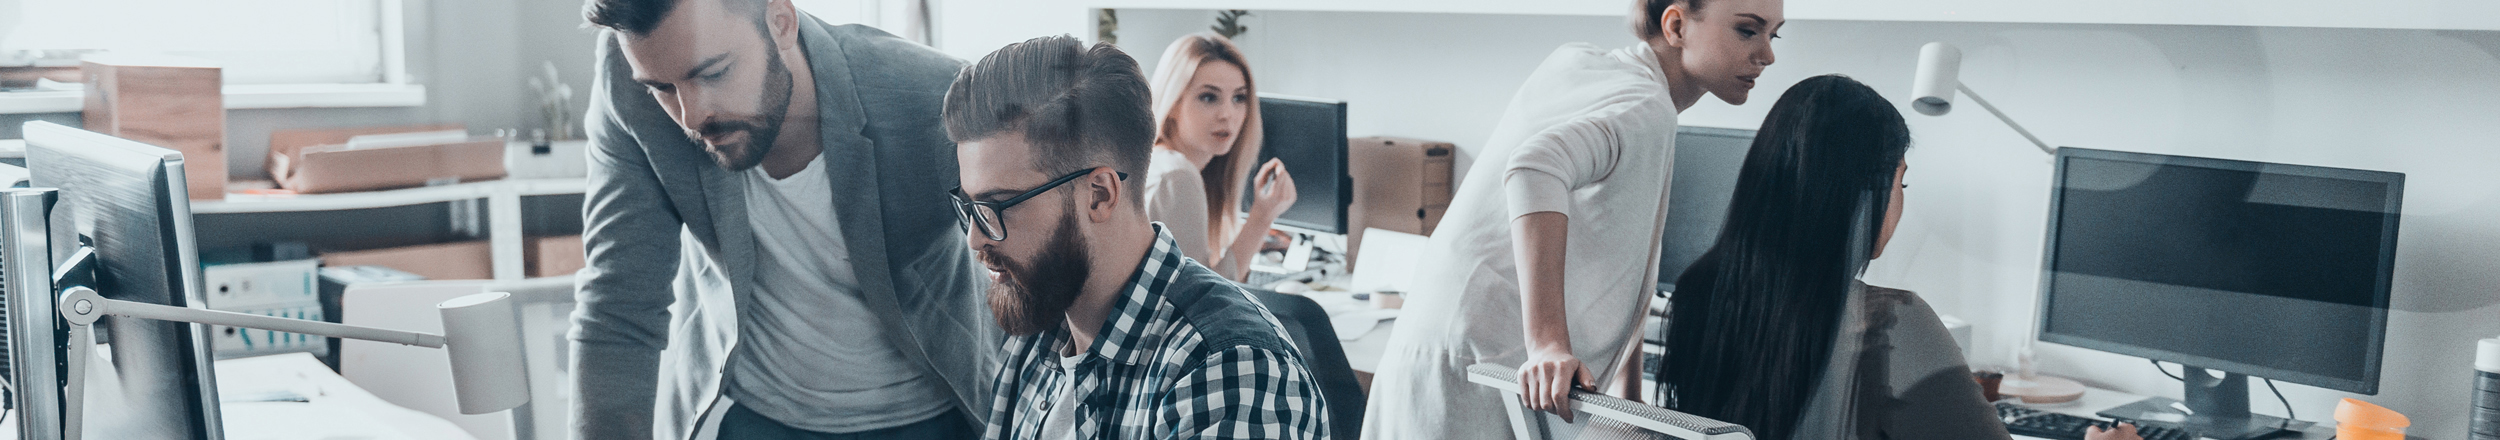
1548, 377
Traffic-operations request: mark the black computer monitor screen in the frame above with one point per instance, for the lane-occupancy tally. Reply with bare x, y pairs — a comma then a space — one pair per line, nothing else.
1706, 163
2270, 270
129, 200
1308, 135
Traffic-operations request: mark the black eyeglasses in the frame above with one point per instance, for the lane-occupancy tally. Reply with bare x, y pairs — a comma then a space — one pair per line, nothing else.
985, 215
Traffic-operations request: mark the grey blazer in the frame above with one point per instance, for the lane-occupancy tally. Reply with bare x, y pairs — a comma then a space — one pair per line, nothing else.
648, 289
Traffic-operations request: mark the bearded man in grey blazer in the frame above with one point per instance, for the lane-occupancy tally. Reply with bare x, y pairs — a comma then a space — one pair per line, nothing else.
772, 252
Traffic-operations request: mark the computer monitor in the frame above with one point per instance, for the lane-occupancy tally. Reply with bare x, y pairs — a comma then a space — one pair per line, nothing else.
2270, 270
1308, 135
1706, 163
129, 202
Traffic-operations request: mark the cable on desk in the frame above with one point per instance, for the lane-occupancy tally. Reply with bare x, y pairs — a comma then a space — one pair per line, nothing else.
2288, 415
2287, 405
2165, 371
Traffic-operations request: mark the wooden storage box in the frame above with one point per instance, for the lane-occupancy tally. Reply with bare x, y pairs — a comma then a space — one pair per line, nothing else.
171, 102
465, 260
337, 168
284, 145
554, 256
1400, 184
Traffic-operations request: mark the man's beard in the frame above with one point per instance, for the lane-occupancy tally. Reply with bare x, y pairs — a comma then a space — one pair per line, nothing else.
761, 129
1033, 297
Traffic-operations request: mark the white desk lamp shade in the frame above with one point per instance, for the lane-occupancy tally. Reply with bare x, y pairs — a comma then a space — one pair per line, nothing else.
484, 337
1939, 74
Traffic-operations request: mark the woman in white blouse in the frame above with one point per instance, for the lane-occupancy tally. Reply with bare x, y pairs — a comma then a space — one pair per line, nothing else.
1206, 139
1549, 252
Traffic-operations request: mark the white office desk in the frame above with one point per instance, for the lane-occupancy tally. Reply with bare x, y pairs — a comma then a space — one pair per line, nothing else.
329, 408
293, 396
2095, 400
1364, 354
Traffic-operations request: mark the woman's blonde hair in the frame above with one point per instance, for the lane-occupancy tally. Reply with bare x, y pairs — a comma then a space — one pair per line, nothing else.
1226, 174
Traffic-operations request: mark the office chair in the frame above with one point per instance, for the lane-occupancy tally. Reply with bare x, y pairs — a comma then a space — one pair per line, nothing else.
1600, 412
1308, 324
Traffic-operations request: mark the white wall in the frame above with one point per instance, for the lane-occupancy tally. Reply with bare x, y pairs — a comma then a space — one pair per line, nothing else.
2423, 103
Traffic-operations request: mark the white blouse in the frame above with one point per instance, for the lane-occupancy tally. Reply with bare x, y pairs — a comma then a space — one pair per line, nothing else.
1591, 135
1177, 196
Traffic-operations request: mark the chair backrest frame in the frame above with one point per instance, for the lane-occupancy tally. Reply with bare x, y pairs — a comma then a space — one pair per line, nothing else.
1529, 425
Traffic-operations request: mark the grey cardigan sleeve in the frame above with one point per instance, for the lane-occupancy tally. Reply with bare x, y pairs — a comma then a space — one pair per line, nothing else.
631, 235
1931, 393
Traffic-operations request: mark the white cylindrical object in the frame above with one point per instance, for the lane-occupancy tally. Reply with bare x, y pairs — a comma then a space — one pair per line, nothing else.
2483, 416
1939, 74
2487, 356
487, 366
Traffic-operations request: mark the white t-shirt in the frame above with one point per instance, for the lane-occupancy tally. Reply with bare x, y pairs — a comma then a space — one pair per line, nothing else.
810, 353
1060, 424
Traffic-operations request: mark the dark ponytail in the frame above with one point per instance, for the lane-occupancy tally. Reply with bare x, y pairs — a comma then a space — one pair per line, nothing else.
1750, 345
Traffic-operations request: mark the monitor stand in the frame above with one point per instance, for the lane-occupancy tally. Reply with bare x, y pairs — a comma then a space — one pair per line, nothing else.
2215, 408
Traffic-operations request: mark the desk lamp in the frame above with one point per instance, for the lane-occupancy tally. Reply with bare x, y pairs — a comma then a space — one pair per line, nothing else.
481, 331
1939, 75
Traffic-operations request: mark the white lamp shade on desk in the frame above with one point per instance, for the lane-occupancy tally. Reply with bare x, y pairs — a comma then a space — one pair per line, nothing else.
484, 336
1939, 74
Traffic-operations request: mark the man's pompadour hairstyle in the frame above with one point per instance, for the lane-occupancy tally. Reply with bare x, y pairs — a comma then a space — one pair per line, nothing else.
1079, 107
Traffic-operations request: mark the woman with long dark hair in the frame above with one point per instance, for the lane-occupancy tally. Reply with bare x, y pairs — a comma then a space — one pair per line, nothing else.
1772, 330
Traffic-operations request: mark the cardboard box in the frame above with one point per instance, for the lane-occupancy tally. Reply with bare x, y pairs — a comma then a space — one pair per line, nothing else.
466, 260
285, 144
554, 256
340, 168
1400, 184
171, 102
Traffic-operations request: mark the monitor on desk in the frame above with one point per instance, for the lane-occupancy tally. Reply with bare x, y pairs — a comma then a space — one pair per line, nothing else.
2271, 270
1706, 163
1308, 135
126, 200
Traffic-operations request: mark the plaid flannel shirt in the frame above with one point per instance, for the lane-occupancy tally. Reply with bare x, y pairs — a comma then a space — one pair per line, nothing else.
1186, 354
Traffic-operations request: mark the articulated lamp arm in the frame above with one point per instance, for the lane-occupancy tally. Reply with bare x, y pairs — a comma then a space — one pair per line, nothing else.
483, 338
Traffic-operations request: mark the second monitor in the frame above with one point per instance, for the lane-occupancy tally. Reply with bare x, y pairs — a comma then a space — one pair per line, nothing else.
1308, 135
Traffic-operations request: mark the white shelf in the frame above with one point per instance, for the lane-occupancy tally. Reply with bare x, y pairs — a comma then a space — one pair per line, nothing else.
2392, 14
253, 203
244, 96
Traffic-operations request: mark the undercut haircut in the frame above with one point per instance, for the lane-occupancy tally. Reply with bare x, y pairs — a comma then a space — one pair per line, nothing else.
1645, 16
638, 17
1078, 107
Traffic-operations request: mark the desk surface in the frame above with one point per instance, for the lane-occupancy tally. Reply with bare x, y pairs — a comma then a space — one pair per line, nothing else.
329, 407
293, 396
2096, 400
1364, 354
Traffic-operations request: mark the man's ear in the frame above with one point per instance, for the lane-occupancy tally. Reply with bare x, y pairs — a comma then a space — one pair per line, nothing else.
782, 21
1671, 25
1103, 194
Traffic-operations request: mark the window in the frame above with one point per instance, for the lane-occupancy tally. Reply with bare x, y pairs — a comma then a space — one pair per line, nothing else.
904, 18
256, 41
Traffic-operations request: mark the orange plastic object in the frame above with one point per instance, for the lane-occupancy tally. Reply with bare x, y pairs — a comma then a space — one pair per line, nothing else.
2358, 420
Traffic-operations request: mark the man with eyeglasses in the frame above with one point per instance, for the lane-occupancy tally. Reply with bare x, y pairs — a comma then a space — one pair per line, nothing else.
821, 288
1113, 334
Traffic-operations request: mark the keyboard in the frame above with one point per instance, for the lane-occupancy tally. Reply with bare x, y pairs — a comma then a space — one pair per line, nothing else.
1261, 280
2025, 421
